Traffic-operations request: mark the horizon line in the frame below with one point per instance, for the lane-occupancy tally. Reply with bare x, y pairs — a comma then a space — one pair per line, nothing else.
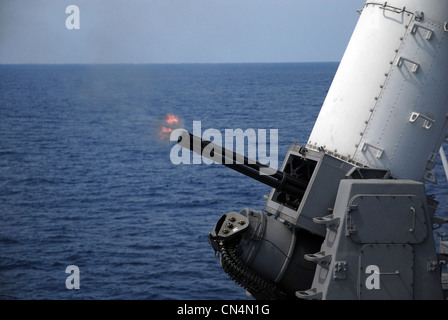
157, 63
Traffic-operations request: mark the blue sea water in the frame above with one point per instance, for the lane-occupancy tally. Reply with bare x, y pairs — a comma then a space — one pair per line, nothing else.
86, 180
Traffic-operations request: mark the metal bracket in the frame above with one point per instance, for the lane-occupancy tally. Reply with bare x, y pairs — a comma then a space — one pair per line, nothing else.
340, 270
394, 273
431, 161
329, 221
427, 121
415, 65
419, 15
430, 177
428, 34
432, 265
320, 258
379, 152
310, 294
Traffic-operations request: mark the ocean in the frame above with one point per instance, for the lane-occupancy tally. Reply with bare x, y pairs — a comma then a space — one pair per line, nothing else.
86, 180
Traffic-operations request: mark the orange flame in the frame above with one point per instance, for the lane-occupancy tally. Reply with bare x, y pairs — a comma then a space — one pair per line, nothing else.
170, 123
172, 119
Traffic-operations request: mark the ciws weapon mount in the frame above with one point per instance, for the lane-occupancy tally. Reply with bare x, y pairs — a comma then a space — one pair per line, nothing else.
348, 216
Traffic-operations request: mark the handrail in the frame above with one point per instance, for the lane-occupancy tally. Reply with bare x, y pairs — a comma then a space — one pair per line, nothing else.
385, 6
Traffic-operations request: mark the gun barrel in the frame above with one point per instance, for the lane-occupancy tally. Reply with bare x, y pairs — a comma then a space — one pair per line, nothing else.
282, 181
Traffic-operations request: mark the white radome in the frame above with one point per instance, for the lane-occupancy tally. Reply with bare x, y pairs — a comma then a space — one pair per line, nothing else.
387, 107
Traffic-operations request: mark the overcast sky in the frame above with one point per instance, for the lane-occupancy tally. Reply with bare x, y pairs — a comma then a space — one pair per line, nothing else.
176, 31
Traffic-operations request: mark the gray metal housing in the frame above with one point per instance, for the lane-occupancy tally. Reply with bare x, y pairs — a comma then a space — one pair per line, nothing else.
379, 244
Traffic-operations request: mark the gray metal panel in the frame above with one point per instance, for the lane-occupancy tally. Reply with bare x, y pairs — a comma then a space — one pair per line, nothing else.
319, 195
279, 209
395, 264
386, 218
